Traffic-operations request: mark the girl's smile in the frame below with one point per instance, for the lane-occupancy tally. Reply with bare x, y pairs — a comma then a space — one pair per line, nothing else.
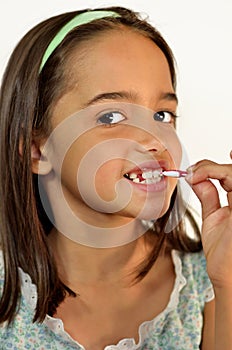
148, 176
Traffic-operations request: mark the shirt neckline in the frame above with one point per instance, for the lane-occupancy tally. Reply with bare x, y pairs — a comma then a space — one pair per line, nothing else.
29, 293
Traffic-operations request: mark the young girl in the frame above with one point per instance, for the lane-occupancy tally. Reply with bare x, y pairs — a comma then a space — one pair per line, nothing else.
95, 254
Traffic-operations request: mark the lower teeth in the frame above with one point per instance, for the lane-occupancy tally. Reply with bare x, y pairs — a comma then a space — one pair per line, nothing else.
150, 181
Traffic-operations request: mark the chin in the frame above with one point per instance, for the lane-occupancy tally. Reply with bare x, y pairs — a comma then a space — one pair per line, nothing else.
153, 212
151, 215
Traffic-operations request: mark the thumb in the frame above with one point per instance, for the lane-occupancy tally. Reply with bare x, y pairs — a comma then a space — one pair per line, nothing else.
208, 195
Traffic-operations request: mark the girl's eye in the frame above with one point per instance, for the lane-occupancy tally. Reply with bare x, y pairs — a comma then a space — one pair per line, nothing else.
111, 118
165, 117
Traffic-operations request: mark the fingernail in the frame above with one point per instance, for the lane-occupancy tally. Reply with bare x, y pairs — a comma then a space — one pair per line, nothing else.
189, 172
188, 176
191, 168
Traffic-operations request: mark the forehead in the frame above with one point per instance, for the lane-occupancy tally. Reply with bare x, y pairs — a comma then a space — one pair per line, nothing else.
119, 55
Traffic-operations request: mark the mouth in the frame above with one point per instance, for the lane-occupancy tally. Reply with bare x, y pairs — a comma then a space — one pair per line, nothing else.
147, 174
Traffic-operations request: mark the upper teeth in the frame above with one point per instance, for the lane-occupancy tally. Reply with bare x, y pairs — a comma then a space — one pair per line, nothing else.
150, 174
147, 176
132, 176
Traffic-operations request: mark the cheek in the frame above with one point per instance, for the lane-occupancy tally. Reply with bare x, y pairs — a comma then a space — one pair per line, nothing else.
72, 163
175, 151
172, 183
107, 176
69, 170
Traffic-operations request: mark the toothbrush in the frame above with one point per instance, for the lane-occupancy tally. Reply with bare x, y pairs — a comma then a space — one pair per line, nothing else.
174, 173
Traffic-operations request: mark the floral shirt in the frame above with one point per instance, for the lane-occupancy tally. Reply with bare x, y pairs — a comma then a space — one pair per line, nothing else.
178, 327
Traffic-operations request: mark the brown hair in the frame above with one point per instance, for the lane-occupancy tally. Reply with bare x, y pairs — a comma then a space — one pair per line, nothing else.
26, 100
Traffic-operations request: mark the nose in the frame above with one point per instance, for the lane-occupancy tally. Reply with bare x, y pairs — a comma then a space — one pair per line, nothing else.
154, 146
150, 142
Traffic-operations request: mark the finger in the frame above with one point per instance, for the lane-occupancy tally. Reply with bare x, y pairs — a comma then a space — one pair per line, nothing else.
203, 162
208, 196
207, 169
229, 197
231, 154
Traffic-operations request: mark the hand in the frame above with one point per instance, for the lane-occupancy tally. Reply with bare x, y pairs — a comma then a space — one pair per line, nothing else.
216, 220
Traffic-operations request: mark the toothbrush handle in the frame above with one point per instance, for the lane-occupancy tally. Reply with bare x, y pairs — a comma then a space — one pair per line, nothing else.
174, 173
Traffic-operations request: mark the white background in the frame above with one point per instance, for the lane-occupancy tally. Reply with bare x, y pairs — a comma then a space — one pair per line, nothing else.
200, 34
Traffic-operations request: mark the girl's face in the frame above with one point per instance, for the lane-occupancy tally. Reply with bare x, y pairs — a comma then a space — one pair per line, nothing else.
121, 133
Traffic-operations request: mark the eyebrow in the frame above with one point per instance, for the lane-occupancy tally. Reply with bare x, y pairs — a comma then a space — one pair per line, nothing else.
169, 96
125, 95
115, 95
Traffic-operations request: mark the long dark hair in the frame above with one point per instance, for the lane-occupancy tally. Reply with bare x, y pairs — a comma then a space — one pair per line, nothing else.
26, 100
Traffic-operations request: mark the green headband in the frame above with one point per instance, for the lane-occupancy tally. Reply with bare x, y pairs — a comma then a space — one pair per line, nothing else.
80, 19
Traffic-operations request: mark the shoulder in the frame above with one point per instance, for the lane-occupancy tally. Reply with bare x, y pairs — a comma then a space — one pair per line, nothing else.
195, 264
194, 269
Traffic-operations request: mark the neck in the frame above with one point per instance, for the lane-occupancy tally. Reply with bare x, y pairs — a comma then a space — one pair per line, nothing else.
87, 265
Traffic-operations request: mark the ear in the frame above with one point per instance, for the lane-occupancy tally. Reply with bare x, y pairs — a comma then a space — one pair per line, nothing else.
39, 162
